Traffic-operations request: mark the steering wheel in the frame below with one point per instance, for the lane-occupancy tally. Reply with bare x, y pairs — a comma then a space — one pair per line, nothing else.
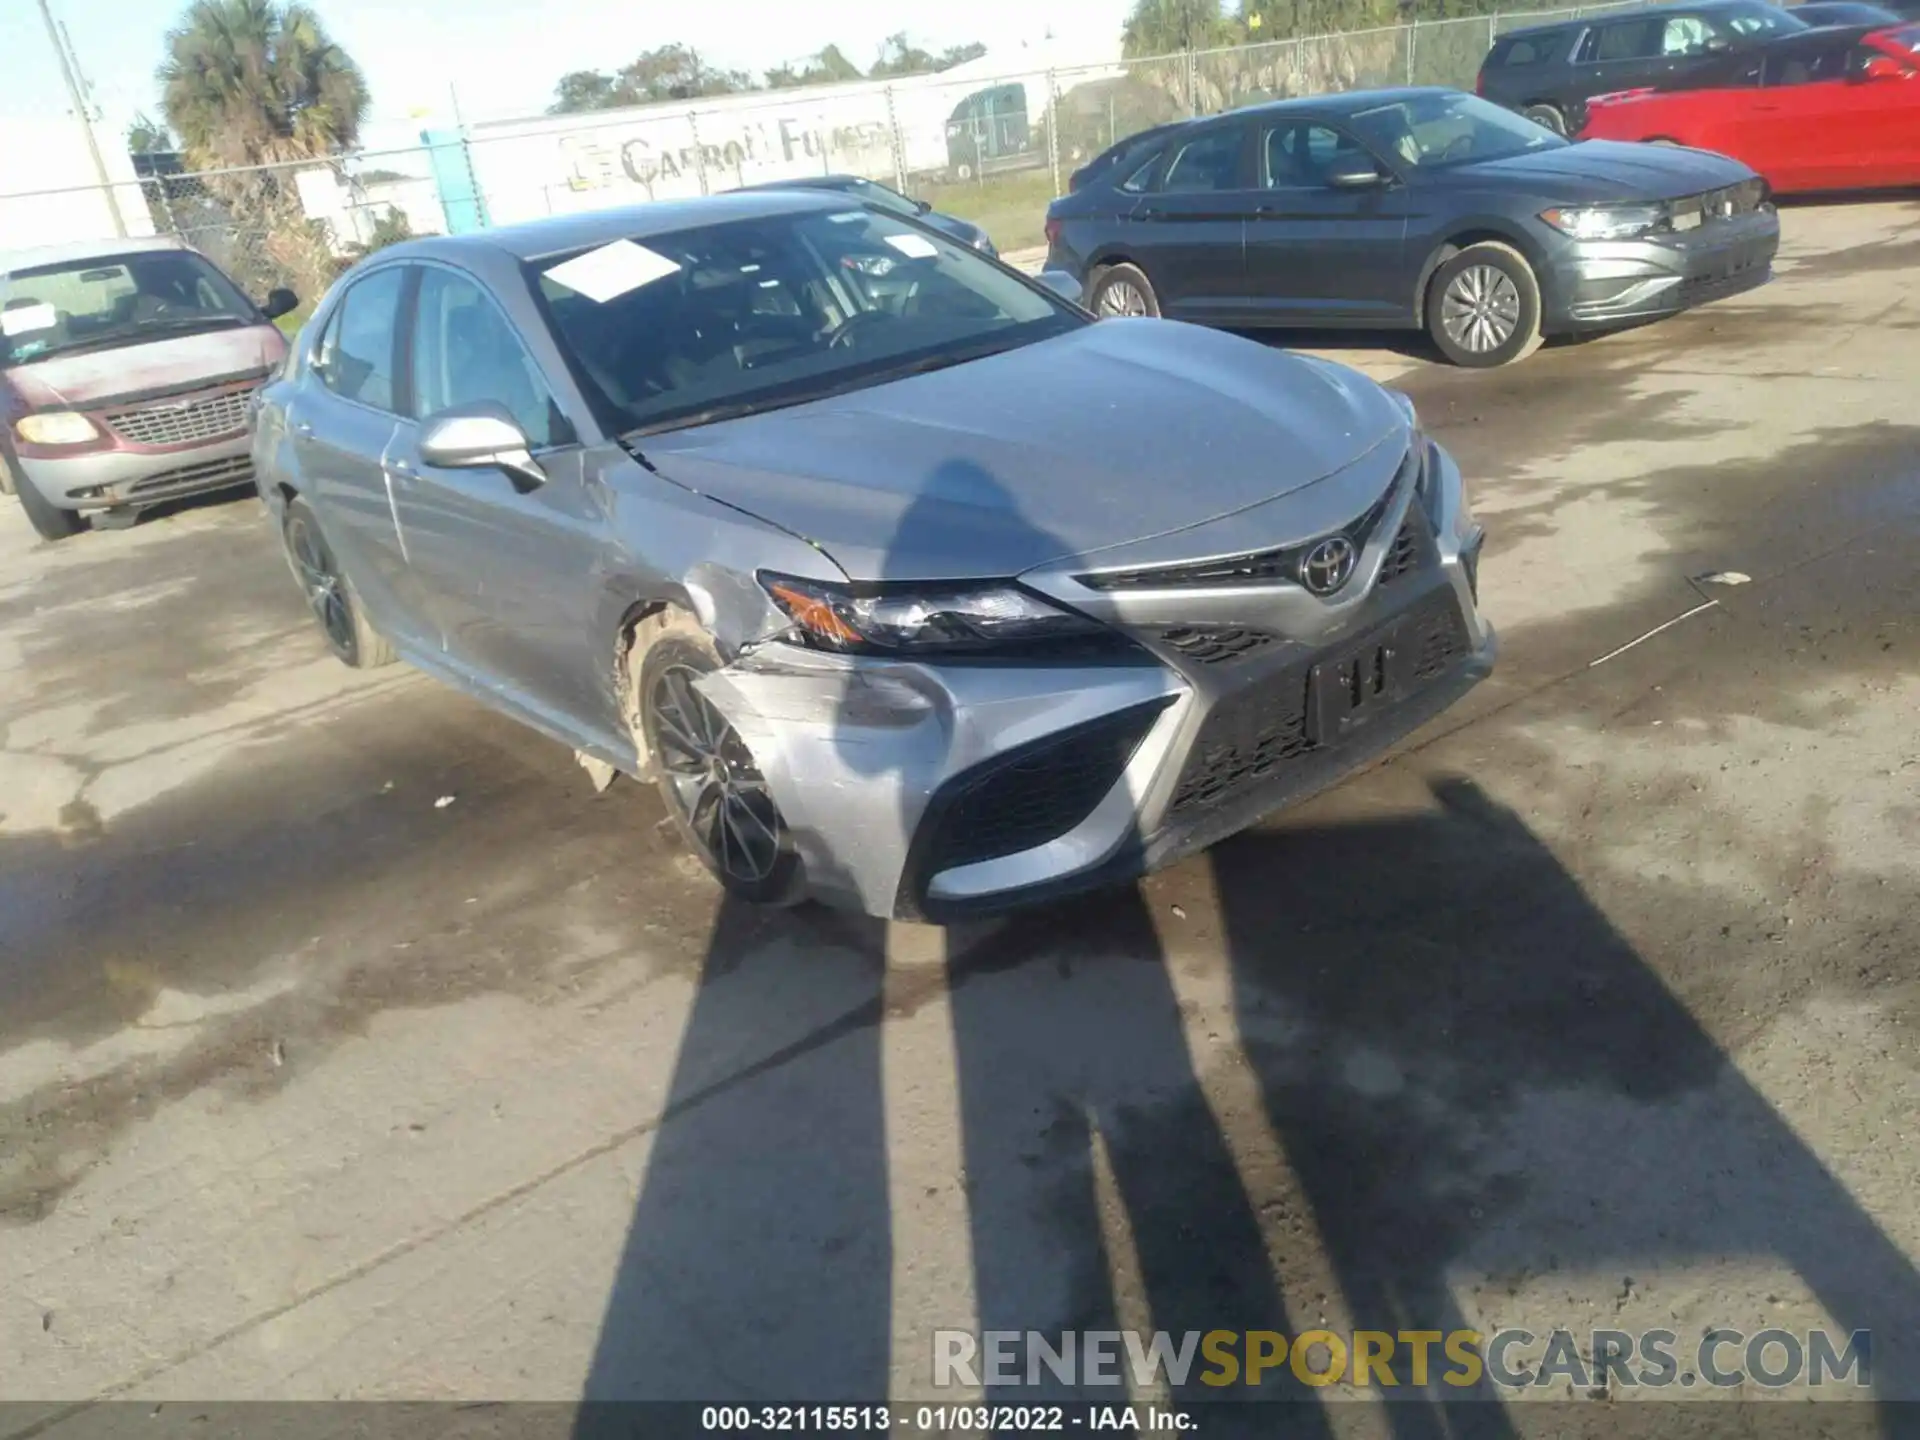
1458, 148
845, 333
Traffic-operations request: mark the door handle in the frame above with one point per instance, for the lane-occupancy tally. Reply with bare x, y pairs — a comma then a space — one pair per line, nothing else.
302, 427
400, 469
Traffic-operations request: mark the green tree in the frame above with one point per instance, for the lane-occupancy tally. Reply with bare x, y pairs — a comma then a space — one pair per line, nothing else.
1161, 27
146, 136
899, 56
256, 82
667, 72
827, 67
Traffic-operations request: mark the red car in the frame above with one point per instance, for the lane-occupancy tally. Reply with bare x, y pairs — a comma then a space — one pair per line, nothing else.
1821, 110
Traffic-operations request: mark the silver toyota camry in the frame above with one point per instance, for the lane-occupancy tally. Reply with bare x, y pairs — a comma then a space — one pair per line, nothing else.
910, 585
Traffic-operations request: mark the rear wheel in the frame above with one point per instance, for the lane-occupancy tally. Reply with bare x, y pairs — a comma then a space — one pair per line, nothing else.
714, 791
49, 521
1121, 291
1483, 306
329, 593
1547, 115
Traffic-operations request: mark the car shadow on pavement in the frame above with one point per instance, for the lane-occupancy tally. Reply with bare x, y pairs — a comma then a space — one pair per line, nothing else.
1361, 1066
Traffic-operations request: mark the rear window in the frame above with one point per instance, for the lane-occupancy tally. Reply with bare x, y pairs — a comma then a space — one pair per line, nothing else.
1534, 50
1632, 40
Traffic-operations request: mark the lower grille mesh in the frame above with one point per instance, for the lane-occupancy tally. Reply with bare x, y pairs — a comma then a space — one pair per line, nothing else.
1036, 794
1250, 737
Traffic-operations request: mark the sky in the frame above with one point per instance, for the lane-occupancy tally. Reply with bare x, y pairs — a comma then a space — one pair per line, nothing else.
502, 57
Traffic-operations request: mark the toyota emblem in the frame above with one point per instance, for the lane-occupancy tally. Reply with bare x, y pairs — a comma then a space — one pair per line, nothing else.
1328, 565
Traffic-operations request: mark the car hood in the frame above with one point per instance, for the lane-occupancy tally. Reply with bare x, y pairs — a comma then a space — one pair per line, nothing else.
1116, 432
154, 367
1600, 170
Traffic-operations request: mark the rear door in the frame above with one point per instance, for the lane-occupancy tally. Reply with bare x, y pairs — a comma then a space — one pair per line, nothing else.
1317, 255
343, 422
1188, 231
509, 569
1884, 74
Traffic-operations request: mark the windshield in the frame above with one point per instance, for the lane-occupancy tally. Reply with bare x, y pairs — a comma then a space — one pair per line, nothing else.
1429, 131
114, 300
751, 315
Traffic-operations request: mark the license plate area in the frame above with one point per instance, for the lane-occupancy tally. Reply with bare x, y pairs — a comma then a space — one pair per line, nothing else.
1345, 692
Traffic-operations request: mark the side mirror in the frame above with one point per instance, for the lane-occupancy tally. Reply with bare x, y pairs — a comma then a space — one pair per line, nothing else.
280, 302
925, 207
1879, 67
1357, 173
1063, 285
480, 437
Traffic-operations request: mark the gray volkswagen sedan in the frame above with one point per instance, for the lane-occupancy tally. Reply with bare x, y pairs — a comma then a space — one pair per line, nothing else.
911, 586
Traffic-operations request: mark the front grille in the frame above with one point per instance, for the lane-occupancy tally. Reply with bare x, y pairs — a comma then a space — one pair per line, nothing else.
1252, 737
1258, 567
211, 475
1215, 644
1404, 555
1035, 794
205, 417
1721, 204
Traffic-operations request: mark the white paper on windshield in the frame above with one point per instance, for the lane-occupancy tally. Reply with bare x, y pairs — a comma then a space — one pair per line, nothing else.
914, 247
612, 270
24, 319
847, 217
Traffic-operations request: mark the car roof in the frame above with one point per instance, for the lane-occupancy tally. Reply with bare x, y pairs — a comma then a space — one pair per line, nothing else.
1346, 102
814, 182
561, 234
32, 257
1641, 12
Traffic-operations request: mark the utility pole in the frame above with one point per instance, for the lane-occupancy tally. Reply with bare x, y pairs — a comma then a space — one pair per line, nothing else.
85, 117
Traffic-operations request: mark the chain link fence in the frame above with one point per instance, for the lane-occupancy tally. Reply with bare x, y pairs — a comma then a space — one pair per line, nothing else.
993, 149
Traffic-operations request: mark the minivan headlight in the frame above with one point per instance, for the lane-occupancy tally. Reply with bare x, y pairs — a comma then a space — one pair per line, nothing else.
1604, 222
936, 618
55, 427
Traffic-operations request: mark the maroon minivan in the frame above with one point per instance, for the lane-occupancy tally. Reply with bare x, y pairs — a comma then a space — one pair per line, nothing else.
127, 375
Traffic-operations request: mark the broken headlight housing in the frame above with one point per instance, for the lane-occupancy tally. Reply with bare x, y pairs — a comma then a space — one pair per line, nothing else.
995, 616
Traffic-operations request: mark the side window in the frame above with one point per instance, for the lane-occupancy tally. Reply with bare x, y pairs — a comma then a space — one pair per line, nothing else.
1524, 52
1206, 162
1301, 154
1685, 35
465, 351
1631, 40
1808, 66
357, 354
1137, 181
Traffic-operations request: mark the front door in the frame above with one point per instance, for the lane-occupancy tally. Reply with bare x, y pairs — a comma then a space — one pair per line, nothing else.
510, 566
1320, 255
342, 423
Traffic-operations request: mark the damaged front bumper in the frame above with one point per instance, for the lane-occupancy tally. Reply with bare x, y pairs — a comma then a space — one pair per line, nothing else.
934, 791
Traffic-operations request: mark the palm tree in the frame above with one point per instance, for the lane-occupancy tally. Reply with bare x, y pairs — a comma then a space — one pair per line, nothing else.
256, 82
256, 90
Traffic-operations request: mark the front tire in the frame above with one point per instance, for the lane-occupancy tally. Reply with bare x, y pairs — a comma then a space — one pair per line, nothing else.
330, 594
709, 781
1548, 116
49, 521
1483, 306
1122, 291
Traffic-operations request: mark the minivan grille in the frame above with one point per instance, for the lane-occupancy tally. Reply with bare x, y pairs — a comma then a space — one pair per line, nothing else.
203, 417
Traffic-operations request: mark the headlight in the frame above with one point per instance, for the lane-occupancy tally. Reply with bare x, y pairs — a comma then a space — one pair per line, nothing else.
919, 621
1604, 222
55, 427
